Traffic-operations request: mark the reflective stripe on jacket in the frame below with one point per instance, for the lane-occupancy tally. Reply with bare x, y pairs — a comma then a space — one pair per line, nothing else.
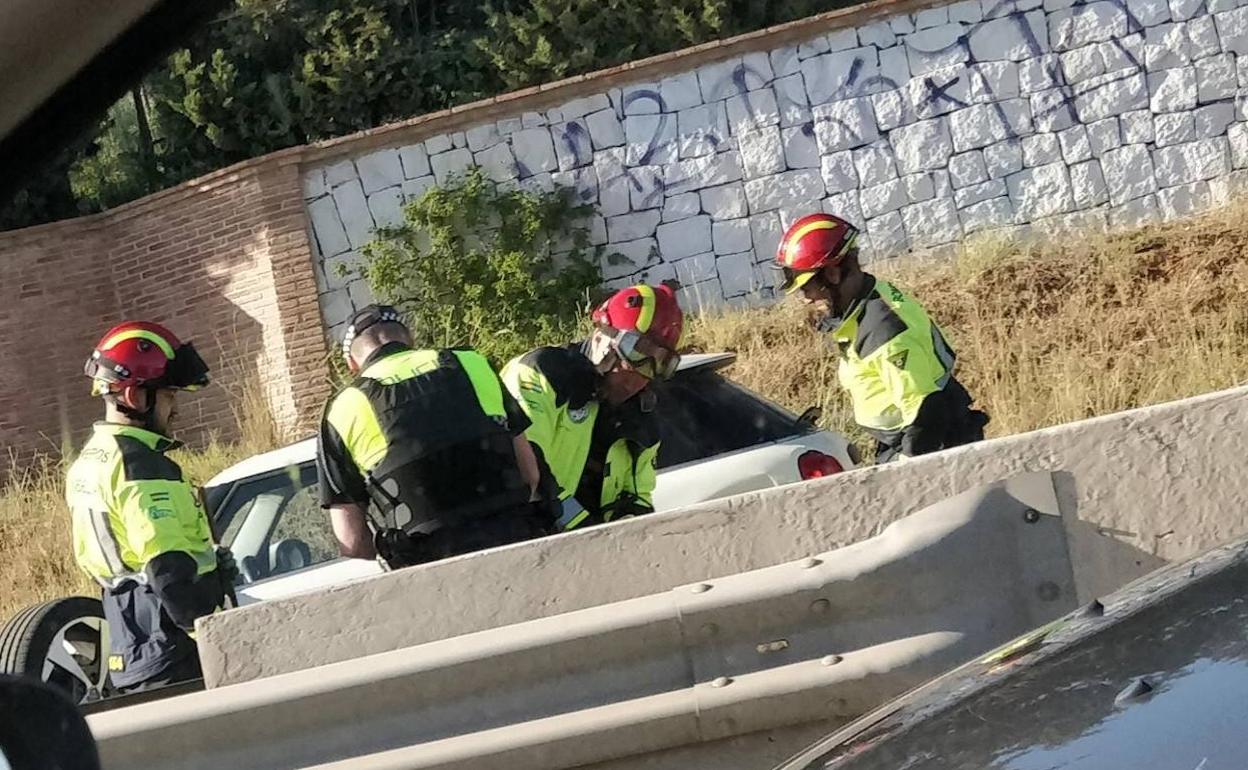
130, 505
892, 356
603, 460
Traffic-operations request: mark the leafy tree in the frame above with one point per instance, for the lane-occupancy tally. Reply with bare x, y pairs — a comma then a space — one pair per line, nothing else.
476, 264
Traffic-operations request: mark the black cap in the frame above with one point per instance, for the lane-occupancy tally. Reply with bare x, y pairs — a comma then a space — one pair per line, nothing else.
366, 317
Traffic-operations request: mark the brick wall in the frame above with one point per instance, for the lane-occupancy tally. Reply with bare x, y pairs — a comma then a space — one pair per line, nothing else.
222, 260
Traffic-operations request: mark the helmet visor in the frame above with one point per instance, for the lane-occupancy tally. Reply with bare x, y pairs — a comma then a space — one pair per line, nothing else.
796, 279
645, 356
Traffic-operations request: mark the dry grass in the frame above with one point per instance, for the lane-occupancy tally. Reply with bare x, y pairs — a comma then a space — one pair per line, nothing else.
1045, 333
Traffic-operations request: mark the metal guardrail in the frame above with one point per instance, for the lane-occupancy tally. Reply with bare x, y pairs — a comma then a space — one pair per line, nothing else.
831, 635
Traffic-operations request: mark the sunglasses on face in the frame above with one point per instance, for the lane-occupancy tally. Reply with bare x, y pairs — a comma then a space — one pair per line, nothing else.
643, 355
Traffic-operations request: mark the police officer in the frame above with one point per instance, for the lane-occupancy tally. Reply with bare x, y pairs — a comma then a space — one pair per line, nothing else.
592, 414
894, 360
139, 527
433, 441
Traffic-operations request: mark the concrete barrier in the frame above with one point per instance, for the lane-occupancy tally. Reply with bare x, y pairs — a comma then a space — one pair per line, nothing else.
819, 639
1148, 485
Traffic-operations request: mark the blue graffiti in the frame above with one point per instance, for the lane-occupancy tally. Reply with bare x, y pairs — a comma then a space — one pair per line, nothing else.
576, 138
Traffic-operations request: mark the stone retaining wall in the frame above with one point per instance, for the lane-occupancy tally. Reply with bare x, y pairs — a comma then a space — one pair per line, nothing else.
924, 127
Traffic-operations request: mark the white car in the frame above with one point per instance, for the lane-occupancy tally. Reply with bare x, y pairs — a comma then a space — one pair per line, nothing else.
718, 439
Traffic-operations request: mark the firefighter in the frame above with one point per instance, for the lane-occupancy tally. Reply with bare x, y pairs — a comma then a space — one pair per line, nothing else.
433, 441
894, 360
592, 414
139, 527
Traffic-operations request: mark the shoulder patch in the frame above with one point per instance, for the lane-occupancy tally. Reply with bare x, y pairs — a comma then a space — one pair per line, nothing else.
878, 326
143, 464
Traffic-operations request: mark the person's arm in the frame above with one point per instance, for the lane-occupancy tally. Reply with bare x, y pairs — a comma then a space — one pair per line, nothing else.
914, 377
344, 494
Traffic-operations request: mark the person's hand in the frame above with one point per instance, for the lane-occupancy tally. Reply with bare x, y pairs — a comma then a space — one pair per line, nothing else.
227, 568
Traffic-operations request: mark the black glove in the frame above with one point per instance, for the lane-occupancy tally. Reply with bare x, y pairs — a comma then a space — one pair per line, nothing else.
227, 568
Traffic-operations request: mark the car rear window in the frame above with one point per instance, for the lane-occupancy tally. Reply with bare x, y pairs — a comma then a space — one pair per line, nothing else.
701, 415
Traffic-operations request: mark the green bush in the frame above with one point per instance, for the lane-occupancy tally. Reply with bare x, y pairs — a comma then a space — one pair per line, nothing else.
501, 270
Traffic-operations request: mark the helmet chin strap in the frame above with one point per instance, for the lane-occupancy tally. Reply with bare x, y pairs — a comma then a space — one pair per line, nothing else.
147, 417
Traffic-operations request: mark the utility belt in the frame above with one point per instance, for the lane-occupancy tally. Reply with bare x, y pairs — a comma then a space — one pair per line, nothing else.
435, 540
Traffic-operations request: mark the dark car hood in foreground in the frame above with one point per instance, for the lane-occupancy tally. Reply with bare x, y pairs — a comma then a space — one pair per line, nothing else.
1159, 680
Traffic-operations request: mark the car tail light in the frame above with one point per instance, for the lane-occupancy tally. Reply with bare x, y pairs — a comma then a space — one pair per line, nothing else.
816, 465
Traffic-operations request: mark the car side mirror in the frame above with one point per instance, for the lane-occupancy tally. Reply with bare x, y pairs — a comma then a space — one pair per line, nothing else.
40, 729
289, 555
810, 417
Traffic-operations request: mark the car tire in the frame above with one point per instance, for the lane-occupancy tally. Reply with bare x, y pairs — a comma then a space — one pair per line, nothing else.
64, 643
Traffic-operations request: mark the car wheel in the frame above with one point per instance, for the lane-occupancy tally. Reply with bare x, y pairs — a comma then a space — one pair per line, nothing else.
62, 642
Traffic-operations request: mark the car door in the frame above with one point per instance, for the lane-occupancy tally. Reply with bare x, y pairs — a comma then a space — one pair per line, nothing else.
281, 538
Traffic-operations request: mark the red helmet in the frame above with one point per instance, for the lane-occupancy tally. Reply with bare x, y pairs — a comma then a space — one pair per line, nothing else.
645, 324
143, 354
810, 244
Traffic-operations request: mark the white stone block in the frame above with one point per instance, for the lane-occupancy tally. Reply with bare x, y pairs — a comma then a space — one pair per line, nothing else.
839, 174
459, 140
785, 61
415, 188
482, 136
701, 297
878, 35
932, 17
330, 235
1191, 162
340, 173
1238, 138
543, 182
533, 119
766, 232
894, 69
624, 259
1053, 110
790, 189
1229, 188
1213, 119
534, 151
1041, 191
838, 40
680, 92
755, 71
497, 163
941, 186
762, 152
967, 169
983, 124
415, 161
436, 145
582, 181
800, 149
997, 212
939, 93
1135, 213
976, 193
1137, 127
651, 139
888, 235
1128, 173
753, 110
736, 273
1091, 23
702, 129
931, 223
731, 236
1104, 135
1013, 38
1087, 184
685, 238
922, 146
844, 125
573, 146
1166, 46
353, 211
875, 164
681, 206
1075, 145
826, 76
1203, 34
646, 187
1172, 90
314, 184
1039, 73
1232, 29
697, 173
883, 198
1110, 95
509, 126
579, 108
1216, 78
993, 81
386, 206
605, 129
656, 274
1003, 158
966, 11
1149, 12
724, 202
816, 46
936, 48
336, 307
449, 164
719, 80
892, 109
613, 182
791, 101
597, 230
1220, 6
1184, 200
1041, 150
1083, 63
919, 187
846, 205
1182, 10
1124, 53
